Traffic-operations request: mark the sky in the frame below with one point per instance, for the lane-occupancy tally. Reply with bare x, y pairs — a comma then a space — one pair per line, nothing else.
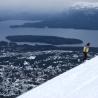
38, 5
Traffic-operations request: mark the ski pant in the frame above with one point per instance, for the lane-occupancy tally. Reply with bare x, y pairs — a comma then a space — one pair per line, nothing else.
85, 56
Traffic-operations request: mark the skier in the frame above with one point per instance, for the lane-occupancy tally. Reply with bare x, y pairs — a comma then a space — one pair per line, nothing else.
85, 51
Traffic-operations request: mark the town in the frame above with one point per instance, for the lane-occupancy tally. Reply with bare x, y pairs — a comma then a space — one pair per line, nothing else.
23, 67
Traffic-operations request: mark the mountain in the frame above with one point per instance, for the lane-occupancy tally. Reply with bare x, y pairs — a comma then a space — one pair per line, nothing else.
78, 16
82, 16
79, 82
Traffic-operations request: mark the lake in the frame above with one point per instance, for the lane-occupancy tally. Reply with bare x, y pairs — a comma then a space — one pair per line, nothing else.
84, 35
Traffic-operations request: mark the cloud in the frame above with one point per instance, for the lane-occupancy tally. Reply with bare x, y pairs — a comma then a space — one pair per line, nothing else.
38, 5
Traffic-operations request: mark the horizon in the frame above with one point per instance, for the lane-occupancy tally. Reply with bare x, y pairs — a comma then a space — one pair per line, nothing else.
37, 6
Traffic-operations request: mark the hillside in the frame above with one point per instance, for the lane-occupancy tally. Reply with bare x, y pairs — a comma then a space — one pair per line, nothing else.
79, 82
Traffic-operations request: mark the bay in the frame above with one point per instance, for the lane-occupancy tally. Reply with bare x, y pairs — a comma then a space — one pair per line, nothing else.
84, 35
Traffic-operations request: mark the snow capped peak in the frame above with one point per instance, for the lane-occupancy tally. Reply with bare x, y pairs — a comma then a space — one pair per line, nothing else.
85, 5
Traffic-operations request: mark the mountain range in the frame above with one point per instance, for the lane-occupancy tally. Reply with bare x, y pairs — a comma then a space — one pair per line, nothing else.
78, 16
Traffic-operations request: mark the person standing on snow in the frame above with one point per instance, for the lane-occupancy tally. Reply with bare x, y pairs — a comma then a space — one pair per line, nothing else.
86, 50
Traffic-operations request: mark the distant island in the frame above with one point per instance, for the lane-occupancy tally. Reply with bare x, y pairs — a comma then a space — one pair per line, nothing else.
52, 40
74, 24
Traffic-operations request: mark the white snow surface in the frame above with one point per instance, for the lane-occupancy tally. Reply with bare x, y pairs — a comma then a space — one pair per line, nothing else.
79, 82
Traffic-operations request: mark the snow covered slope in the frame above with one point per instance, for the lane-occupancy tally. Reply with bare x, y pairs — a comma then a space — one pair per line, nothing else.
79, 82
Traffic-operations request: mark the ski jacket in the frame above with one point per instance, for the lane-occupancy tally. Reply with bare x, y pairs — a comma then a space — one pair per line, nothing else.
86, 49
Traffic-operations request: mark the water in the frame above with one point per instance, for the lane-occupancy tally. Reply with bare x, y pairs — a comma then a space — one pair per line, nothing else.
85, 35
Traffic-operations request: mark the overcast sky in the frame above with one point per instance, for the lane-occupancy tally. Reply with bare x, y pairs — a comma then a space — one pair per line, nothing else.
39, 5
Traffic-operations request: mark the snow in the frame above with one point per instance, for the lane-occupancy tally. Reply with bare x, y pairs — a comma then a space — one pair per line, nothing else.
32, 57
83, 5
26, 63
79, 82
